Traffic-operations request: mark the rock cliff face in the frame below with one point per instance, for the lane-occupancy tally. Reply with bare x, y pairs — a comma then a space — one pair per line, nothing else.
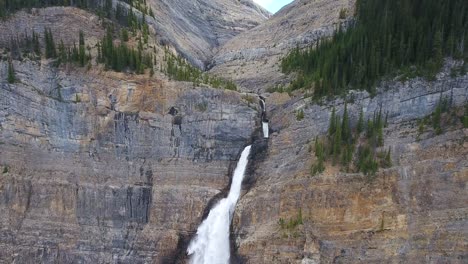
413, 212
115, 176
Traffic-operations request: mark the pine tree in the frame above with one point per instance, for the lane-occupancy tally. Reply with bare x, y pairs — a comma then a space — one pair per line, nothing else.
50, 51
11, 72
360, 125
332, 125
36, 45
82, 58
345, 128
319, 166
62, 52
388, 159
337, 144
124, 35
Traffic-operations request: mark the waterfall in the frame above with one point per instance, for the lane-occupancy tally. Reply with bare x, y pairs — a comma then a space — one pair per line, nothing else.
265, 129
211, 243
264, 119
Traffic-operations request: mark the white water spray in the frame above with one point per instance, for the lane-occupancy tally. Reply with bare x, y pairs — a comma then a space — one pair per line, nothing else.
264, 119
211, 244
265, 129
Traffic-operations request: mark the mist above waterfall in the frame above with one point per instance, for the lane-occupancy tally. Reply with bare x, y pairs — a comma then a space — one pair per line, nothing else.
211, 243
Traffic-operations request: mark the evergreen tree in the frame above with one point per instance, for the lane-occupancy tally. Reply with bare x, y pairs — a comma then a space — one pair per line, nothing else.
360, 125
345, 128
337, 144
388, 36
465, 117
11, 72
82, 52
124, 34
50, 51
62, 52
36, 45
319, 166
332, 125
388, 159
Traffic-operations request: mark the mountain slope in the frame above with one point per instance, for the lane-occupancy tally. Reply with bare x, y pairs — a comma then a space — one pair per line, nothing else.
197, 28
252, 58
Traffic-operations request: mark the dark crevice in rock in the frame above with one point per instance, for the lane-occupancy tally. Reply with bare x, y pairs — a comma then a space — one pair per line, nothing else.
179, 256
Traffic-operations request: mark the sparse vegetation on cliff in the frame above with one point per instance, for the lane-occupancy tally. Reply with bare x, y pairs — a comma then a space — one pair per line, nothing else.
465, 117
341, 143
179, 69
443, 117
299, 115
103, 8
122, 57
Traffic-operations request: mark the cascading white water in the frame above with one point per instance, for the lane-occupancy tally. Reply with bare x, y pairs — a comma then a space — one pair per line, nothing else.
264, 120
211, 243
265, 129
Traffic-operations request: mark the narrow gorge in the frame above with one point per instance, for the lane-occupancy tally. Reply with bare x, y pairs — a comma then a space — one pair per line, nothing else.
214, 132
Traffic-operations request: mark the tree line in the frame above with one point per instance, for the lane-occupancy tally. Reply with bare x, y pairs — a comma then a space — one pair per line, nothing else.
179, 69
120, 57
407, 36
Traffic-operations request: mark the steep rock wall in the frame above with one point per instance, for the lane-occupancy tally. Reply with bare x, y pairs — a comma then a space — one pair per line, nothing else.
101, 168
413, 212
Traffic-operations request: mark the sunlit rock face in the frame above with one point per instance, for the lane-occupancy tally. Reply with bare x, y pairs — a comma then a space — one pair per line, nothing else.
198, 28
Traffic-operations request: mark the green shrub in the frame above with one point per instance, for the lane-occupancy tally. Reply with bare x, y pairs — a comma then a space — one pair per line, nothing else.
465, 117
292, 223
319, 165
300, 115
343, 13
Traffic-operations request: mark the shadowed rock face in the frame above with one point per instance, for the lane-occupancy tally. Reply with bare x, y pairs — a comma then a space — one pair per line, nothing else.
252, 58
198, 27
